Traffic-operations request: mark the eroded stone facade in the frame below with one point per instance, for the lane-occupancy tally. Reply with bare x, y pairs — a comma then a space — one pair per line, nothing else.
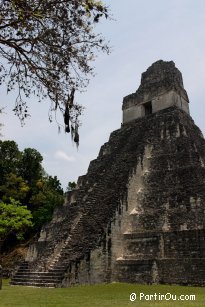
138, 213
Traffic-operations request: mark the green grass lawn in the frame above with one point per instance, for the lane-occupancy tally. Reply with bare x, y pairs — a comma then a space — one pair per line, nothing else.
116, 294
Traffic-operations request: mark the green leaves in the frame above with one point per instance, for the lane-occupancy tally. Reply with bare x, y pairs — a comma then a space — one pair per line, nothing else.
14, 186
24, 179
14, 218
46, 195
71, 186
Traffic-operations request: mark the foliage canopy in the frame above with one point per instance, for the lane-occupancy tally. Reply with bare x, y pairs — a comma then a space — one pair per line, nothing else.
24, 180
47, 48
14, 218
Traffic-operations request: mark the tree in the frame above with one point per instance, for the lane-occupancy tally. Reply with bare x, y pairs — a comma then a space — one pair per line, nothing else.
24, 185
47, 195
71, 186
14, 219
49, 47
24, 179
31, 168
14, 186
0, 123
54, 183
9, 158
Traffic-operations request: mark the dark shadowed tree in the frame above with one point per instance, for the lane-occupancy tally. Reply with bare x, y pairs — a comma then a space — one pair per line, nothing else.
0, 124
71, 186
31, 168
9, 158
54, 184
46, 196
47, 48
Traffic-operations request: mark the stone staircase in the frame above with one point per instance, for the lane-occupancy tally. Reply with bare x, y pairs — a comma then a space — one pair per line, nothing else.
51, 277
25, 277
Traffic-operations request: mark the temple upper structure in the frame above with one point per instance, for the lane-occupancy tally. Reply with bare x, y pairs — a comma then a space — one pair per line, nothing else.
161, 87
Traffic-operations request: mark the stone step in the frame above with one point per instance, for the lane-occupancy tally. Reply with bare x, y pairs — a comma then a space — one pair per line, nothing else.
141, 235
57, 267
50, 275
34, 284
123, 261
23, 266
47, 273
56, 270
61, 266
36, 280
23, 270
32, 279
136, 257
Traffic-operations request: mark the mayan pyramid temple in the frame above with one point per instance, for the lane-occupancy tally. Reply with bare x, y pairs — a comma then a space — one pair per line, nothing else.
138, 215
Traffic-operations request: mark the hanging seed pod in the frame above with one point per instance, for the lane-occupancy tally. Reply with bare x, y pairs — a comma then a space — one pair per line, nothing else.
76, 135
76, 138
66, 116
71, 97
67, 129
72, 132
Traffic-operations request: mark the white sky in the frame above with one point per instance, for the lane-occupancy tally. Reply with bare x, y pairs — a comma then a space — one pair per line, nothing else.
143, 32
